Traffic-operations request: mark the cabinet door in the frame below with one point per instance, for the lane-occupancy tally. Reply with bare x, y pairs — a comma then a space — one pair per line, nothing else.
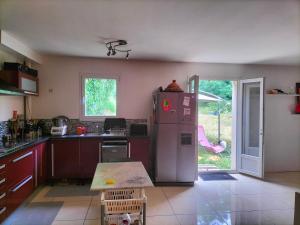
139, 150
40, 164
20, 166
19, 192
89, 156
65, 159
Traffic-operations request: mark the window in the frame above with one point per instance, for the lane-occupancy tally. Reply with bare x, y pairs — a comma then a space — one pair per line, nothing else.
99, 97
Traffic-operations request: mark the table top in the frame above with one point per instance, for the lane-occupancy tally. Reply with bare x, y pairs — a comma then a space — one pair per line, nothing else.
123, 175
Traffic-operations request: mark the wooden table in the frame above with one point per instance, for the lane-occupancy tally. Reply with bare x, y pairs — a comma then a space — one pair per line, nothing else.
125, 175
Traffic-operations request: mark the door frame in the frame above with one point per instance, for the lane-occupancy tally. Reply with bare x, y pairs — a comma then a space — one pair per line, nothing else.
239, 136
195, 78
234, 101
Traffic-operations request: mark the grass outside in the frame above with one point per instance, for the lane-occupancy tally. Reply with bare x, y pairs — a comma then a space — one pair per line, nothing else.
210, 124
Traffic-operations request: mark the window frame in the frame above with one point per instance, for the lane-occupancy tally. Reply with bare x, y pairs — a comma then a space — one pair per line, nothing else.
84, 76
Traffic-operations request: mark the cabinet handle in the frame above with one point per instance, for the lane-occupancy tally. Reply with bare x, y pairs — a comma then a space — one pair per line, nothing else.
100, 151
2, 181
129, 150
22, 157
52, 160
2, 196
36, 169
2, 166
2, 210
21, 184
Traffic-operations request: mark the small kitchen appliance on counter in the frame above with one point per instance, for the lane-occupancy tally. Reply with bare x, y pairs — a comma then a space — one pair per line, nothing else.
60, 125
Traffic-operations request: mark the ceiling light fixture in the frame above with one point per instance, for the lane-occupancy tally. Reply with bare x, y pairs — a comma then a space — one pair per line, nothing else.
113, 47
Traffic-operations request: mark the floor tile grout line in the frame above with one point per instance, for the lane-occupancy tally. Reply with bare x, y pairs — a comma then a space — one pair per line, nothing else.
173, 210
88, 208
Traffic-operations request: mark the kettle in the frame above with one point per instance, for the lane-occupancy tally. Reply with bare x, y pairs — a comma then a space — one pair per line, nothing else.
60, 121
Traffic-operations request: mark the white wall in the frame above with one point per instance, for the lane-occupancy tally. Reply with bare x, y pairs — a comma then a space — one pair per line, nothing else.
138, 79
282, 127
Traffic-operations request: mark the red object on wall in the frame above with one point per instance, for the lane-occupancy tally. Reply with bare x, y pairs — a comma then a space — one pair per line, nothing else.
297, 108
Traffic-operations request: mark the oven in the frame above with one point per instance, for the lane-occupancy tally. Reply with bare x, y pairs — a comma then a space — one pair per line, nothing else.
114, 150
114, 146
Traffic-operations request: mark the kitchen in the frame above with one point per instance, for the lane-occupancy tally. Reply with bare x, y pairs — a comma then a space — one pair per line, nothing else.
47, 177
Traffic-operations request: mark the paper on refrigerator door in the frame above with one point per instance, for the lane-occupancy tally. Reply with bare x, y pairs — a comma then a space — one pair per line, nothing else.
186, 101
186, 111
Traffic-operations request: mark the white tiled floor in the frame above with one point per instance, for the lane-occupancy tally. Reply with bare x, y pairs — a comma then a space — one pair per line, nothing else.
244, 201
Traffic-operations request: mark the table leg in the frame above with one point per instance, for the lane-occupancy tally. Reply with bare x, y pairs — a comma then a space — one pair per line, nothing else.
144, 213
102, 215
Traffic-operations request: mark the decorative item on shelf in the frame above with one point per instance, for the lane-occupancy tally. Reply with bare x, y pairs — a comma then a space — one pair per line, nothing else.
297, 107
173, 87
276, 91
114, 46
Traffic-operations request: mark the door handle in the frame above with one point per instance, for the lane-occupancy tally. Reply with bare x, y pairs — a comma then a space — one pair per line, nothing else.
129, 150
2, 196
2, 166
22, 184
52, 160
2, 210
22, 157
2, 181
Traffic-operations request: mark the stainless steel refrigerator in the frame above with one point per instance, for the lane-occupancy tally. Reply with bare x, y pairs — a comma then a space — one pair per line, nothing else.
175, 140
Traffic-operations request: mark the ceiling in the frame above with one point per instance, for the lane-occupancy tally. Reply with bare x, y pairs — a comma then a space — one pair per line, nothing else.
218, 31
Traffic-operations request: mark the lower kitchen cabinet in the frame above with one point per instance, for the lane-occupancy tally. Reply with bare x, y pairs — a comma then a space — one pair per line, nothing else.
89, 156
20, 172
40, 164
3, 188
19, 192
139, 150
65, 158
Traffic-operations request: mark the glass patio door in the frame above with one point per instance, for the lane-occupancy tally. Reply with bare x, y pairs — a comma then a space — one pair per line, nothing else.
250, 126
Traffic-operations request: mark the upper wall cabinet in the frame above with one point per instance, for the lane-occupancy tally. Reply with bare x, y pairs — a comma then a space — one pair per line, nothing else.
28, 84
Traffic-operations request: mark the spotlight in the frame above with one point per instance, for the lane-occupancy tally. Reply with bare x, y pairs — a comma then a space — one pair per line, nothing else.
113, 47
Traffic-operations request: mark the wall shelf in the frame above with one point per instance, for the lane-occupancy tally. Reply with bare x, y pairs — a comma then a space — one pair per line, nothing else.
291, 95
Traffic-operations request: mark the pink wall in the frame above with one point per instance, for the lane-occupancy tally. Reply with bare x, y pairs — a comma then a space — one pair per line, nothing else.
138, 79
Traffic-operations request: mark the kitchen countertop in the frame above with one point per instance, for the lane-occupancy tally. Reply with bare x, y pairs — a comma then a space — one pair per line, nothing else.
124, 175
4, 151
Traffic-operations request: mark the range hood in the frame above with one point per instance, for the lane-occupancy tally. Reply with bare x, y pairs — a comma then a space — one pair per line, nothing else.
6, 89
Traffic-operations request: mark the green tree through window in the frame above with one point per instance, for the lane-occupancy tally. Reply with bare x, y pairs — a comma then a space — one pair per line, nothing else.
100, 97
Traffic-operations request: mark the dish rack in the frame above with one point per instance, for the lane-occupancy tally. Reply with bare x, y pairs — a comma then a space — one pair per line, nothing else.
117, 202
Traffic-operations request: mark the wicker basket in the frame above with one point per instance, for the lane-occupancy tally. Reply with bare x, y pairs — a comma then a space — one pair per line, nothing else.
117, 202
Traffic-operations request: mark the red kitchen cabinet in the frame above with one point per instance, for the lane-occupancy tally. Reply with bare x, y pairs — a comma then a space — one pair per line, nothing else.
3, 188
39, 164
20, 166
139, 150
65, 158
20, 178
19, 192
89, 156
